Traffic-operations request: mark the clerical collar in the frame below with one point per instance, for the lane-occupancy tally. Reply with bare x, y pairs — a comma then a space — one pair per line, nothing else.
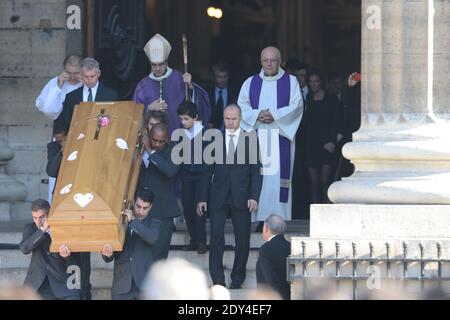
166, 75
276, 77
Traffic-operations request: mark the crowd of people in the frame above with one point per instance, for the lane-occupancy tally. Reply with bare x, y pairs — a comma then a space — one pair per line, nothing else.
279, 138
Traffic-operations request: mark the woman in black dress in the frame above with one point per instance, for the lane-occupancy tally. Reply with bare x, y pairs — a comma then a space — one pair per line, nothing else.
321, 129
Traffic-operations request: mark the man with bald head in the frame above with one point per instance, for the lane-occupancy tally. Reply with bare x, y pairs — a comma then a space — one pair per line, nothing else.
157, 174
272, 105
231, 187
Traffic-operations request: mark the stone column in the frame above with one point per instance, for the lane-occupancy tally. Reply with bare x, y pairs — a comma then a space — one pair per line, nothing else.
11, 190
397, 203
402, 151
441, 59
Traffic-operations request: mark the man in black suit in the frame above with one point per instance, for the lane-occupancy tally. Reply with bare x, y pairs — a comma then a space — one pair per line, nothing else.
157, 174
233, 187
92, 90
133, 262
271, 263
49, 274
220, 95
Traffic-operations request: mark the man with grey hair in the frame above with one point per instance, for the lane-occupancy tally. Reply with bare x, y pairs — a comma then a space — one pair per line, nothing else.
271, 263
91, 91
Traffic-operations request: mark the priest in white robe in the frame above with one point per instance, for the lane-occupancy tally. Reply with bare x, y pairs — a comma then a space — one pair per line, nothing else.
272, 104
50, 100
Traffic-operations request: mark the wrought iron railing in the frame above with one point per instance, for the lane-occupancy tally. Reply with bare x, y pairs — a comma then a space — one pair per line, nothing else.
297, 266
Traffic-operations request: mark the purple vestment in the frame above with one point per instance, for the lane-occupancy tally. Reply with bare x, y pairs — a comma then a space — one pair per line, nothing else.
283, 97
147, 91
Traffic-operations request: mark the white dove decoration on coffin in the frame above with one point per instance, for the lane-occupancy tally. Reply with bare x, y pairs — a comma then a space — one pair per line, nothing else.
122, 144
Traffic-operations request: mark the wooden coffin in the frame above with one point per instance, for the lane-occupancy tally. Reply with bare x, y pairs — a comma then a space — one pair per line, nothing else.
98, 176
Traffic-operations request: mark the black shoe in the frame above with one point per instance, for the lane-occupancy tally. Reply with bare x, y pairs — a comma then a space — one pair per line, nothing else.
190, 247
235, 285
86, 296
202, 248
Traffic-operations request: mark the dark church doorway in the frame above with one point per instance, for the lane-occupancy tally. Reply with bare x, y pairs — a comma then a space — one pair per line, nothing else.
325, 34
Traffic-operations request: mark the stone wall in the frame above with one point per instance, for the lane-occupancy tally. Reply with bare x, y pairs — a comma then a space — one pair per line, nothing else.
34, 40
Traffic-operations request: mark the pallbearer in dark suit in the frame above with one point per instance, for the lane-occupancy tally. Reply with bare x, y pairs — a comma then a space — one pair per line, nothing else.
220, 95
158, 176
48, 272
271, 264
232, 186
133, 262
92, 90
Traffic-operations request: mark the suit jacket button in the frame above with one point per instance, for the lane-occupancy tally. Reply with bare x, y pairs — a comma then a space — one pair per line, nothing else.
131, 259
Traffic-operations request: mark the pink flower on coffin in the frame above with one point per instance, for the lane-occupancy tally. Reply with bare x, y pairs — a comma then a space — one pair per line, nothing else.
104, 122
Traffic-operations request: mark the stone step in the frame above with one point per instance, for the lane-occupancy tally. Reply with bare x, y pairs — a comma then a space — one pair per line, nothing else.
10, 237
105, 294
11, 259
101, 280
11, 233
297, 227
179, 238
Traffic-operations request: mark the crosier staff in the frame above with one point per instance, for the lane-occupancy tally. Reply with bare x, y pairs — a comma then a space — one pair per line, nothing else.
185, 58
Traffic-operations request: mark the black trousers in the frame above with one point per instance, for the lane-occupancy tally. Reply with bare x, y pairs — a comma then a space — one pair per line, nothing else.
241, 220
162, 246
46, 292
133, 294
85, 275
190, 184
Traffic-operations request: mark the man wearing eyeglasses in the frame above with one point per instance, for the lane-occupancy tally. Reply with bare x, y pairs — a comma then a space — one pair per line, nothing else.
164, 88
52, 96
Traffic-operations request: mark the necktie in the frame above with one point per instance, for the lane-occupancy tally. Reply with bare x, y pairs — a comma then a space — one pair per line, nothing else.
231, 147
90, 95
219, 106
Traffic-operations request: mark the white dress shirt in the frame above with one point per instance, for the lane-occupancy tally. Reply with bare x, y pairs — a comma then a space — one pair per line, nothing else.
51, 98
195, 130
146, 157
235, 138
86, 92
305, 91
224, 95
